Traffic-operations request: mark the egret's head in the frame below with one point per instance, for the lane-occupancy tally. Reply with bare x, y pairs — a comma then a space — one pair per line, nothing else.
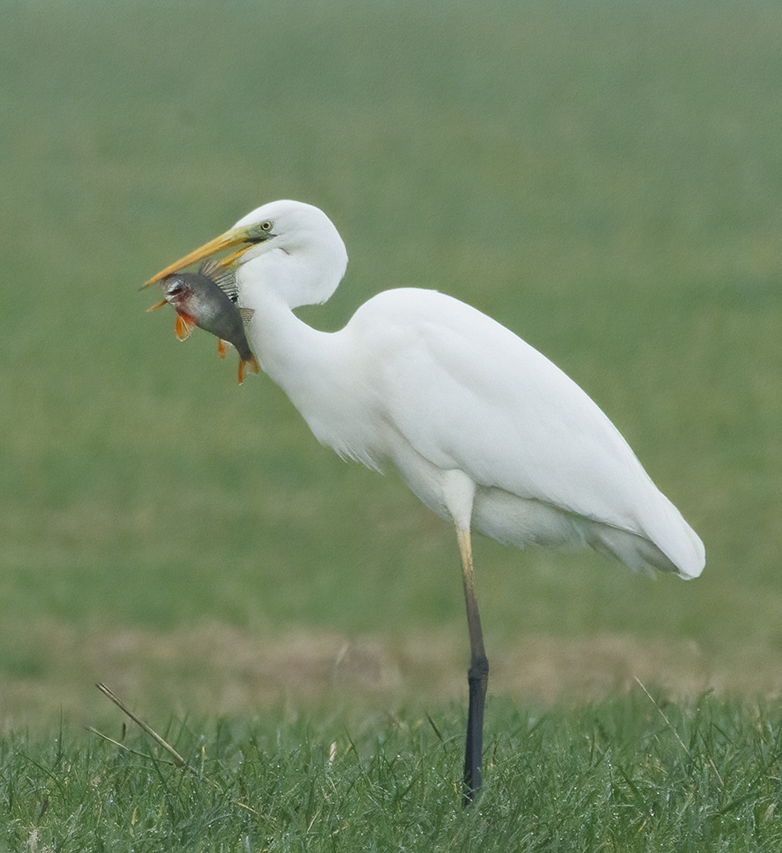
301, 231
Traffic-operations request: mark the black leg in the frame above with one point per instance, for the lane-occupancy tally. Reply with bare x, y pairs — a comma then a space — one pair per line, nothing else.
477, 677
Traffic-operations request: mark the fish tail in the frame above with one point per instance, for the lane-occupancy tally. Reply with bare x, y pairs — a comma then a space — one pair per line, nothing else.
250, 365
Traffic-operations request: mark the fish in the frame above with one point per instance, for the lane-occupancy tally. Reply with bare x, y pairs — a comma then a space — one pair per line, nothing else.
207, 299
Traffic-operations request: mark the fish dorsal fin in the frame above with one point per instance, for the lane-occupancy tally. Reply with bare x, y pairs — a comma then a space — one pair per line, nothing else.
224, 278
246, 314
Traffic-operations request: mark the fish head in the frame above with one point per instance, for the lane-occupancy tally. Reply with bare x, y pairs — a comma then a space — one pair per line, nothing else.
177, 291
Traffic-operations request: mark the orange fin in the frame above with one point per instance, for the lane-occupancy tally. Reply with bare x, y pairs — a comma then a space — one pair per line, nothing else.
184, 326
222, 348
157, 305
251, 366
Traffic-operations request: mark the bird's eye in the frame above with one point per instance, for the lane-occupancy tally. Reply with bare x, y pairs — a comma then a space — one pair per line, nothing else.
260, 232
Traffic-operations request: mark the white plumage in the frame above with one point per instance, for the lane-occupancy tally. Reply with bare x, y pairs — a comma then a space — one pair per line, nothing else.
428, 383
484, 429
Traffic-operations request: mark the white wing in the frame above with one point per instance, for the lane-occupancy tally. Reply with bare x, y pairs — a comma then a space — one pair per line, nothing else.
466, 393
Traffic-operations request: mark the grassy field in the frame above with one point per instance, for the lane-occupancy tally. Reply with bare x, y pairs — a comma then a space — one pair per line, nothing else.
620, 776
603, 178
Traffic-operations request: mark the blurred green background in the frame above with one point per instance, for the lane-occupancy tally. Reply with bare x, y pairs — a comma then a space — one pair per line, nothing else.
604, 177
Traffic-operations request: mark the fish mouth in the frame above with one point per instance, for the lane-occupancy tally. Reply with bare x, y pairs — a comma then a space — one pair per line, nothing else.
245, 238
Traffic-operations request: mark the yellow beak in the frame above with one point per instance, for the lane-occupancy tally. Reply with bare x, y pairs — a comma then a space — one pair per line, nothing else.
234, 237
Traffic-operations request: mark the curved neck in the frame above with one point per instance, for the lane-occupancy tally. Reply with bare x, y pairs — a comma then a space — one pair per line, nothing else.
315, 369
288, 350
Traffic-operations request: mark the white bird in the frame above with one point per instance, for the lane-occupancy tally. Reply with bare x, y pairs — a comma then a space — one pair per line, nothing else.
483, 428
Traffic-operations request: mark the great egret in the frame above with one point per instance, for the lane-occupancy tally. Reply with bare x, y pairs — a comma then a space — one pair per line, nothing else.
484, 429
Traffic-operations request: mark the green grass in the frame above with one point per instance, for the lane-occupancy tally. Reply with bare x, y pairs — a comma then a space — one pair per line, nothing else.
603, 178
624, 775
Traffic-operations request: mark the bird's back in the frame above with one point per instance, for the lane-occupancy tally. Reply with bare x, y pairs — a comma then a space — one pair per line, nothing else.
459, 391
